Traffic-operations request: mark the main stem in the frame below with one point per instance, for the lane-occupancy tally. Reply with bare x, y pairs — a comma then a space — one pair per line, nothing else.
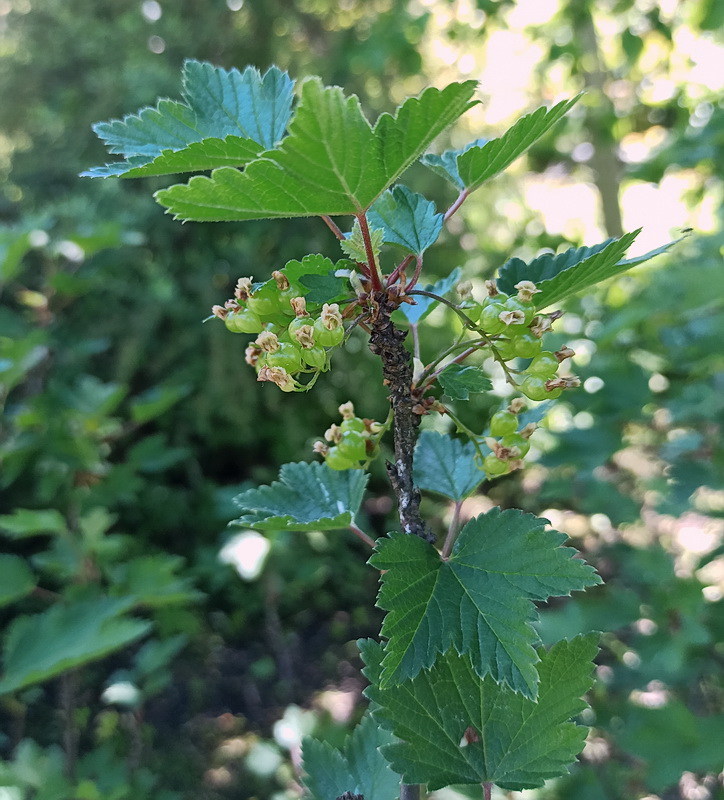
387, 342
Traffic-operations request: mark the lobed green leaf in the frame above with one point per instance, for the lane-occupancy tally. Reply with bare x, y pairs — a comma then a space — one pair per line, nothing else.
445, 465
407, 219
456, 728
227, 118
459, 381
308, 496
479, 601
331, 163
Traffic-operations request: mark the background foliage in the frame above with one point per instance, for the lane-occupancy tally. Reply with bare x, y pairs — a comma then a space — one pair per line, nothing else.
135, 662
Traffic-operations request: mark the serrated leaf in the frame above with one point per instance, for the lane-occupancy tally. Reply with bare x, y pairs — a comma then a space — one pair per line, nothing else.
359, 768
407, 219
446, 466
152, 581
459, 381
478, 164
16, 579
308, 496
227, 118
424, 305
354, 245
562, 274
446, 165
24, 522
325, 288
457, 728
332, 162
479, 601
41, 646
318, 278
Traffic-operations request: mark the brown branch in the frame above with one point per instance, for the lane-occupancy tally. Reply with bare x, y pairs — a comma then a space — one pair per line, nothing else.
387, 342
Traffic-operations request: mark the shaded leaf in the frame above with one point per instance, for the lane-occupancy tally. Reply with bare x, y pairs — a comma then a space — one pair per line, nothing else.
156, 401
459, 381
359, 767
446, 165
309, 496
152, 580
446, 466
562, 274
16, 579
24, 522
41, 646
457, 728
478, 164
479, 601
354, 244
227, 118
407, 219
424, 305
332, 162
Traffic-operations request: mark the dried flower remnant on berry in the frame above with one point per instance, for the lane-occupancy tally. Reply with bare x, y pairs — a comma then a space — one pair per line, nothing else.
464, 290
299, 304
526, 290
251, 355
267, 341
278, 376
220, 312
333, 433
347, 410
281, 280
243, 289
330, 316
305, 336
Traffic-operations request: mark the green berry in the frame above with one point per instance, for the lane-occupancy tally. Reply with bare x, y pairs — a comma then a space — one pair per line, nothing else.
352, 424
534, 387
494, 466
490, 320
327, 337
243, 321
528, 309
472, 309
352, 445
503, 422
516, 440
265, 301
544, 364
527, 345
299, 322
315, 357
335, 459
506, 348
287, 357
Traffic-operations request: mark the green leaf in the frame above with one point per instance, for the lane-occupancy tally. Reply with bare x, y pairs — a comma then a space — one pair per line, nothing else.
309, 496
41, 646
152, 581
332, 162
354, 244
460, 380
359, 768
227, 119
321, 280
562, 274
156, 401
478, 164
517, 743
479, 601
446, 165
424, 305
24, 522
446, 466
16, 579
407, 219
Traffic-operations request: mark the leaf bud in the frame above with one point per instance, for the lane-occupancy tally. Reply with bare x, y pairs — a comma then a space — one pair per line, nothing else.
299, 304
243, 289
281, 280
526, 290
267, 341
330, 316
333, 434
305, 336
347, 410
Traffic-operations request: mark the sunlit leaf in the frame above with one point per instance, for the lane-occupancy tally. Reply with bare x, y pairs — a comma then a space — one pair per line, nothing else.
407, 219
459, 381
445, 465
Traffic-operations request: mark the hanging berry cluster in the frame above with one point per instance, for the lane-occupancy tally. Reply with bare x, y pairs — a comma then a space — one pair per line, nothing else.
353, 443
290, 340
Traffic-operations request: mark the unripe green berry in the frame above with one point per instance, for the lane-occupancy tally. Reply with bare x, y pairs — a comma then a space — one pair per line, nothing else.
243, 321
352, 445
287, 357
503, 422
544, 364
527, 345
515, 440
315, 357
264, 302
528, 309
335, 459
494, 466
352, 424
490, 320
327, 337
534, 387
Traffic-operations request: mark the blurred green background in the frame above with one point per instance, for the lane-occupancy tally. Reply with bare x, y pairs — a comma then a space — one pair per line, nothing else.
136, 662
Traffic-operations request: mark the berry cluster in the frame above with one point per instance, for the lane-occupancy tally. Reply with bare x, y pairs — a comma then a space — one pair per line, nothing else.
290, 340
353, 443
515, 330
508, 444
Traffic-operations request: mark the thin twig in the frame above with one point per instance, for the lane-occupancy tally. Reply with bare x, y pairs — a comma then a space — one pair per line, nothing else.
456, 205
332, 225
371, 263
452, 531
416, 275
360, 534
487, 791
399, 269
